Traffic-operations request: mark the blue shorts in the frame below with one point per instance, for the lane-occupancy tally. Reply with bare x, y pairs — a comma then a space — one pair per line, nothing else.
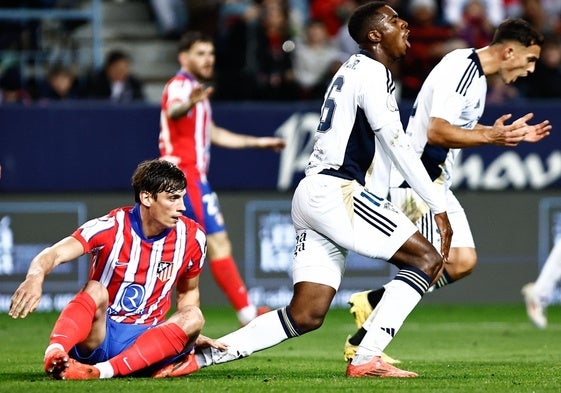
118, 337
202, 206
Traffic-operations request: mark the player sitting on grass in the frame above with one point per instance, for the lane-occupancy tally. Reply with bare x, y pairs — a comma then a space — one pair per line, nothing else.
139, 255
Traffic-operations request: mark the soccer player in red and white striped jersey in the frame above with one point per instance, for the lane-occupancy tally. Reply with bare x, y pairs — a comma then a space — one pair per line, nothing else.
186, 133
116, 325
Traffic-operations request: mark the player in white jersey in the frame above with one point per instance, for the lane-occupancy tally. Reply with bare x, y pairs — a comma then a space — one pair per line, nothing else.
339, 207
444, 119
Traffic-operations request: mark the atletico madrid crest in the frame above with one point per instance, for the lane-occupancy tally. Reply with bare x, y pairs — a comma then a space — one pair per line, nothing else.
165, 269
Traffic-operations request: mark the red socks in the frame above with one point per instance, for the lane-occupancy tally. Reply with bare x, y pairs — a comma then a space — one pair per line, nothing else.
75, 322
227, 276
150, 347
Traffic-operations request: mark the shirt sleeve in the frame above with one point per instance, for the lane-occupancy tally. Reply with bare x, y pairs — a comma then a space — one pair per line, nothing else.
377, 100
179, 91
447, 102
396, 144
383, 115
94, 233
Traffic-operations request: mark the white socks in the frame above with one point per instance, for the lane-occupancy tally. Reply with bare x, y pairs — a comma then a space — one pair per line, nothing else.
263, 332
550, 275
384, 322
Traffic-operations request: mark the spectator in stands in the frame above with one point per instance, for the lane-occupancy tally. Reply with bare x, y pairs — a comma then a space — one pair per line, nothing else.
430, 41
60, 84
272, 57
315, 59
347, 46
543, 15
476, 25
333, 13
115, 81
236, 24
299, 15
12, 90
545, 82
172, 17
454, 11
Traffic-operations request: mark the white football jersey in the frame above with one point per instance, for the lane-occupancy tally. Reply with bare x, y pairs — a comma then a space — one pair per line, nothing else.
360, 132
455, 91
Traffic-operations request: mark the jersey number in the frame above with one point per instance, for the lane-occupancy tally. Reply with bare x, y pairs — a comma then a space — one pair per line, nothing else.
328, 108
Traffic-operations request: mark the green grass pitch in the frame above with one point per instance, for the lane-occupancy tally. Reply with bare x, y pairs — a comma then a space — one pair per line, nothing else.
454, 348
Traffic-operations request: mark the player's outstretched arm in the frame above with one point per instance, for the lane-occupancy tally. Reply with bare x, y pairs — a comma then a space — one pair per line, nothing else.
225, 138
27, 296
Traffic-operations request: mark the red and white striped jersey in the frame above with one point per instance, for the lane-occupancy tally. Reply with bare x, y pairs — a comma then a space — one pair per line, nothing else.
185, 141
140, 273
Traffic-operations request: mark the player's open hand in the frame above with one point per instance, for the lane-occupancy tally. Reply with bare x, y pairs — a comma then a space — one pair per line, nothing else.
205, 342
200, 93
26, 298
508, 135
534, 132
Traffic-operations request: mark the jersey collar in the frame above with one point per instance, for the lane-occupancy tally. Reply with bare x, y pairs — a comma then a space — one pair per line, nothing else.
136, 224
473, 56
365, 53
186, 75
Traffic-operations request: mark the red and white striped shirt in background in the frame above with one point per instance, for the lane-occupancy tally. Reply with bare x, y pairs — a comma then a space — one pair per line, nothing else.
186, 141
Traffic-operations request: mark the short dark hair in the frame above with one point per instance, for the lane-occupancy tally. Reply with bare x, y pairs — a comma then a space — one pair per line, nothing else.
519, 30
155, 176
364, 19
115, 56
188, 39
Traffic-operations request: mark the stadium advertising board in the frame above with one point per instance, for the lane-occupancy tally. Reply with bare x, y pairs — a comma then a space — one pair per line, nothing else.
37, 131
549, 233
269, 246
26, 228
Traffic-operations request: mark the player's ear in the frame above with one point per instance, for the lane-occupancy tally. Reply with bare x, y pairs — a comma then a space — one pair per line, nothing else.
145, 198
374, 36
508, 52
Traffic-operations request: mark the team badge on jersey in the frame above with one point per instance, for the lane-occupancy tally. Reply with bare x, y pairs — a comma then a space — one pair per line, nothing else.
391, 103
165, 270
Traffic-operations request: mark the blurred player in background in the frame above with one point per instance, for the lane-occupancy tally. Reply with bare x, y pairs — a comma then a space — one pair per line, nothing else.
186, 133
538, 295
444, 119
139, 255
339, 207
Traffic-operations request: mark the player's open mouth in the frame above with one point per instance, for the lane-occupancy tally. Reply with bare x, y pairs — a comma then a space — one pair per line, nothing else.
406, 39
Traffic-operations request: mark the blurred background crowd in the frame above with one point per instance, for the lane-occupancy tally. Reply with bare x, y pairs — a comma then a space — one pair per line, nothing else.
267, 50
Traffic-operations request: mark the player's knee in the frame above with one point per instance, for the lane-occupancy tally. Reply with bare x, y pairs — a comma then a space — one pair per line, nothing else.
98, 292
190, 319
432, 262
308, 321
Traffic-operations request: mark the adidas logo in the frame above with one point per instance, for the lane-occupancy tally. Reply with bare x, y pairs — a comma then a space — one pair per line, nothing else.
390, 331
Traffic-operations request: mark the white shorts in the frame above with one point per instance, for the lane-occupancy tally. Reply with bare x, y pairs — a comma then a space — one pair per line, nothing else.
333, 216
417, 210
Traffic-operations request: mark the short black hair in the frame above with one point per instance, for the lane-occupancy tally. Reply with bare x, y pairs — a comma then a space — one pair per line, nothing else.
519, 30
364, 19
114, 56
189, 39
155, 176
